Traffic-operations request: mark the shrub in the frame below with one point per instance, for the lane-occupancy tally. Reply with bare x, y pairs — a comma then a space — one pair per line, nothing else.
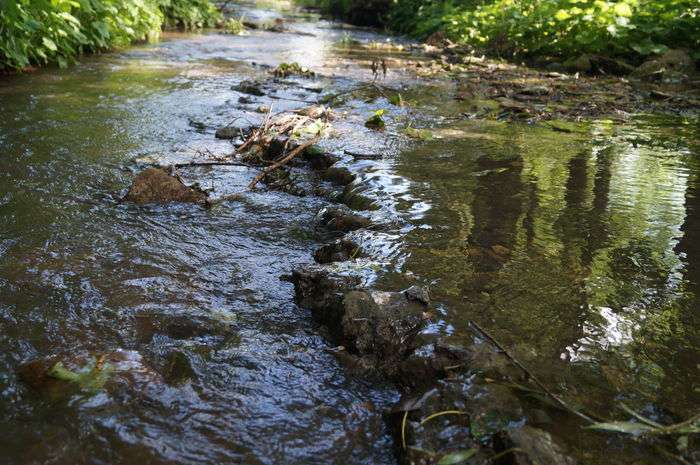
57, 31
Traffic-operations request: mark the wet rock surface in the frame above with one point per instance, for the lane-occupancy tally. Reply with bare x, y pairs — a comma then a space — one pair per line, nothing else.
338, 251
341, 219
155, 185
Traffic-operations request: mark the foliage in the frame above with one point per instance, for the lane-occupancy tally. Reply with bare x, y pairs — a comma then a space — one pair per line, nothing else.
234, 26
376, 121
548, 27
58, 31
91, 377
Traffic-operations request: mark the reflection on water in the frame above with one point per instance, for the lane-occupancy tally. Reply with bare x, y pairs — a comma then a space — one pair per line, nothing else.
579, 250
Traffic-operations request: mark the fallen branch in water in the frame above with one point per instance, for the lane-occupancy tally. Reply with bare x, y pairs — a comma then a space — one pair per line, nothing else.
646, 429
283, 161
536, 380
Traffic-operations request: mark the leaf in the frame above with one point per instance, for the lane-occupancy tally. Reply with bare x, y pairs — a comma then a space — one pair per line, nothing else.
457, 457
625, 427
50, 44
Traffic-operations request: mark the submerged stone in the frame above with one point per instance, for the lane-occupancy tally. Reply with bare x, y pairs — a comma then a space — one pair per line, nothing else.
341, 218
341, 176
338, 251
249, 87
155, 185
535, 447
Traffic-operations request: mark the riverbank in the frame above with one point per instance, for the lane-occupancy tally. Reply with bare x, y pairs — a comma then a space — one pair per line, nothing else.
415, 184
57, 33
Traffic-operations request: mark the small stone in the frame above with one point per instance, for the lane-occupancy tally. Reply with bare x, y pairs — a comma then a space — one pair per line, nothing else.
250, 88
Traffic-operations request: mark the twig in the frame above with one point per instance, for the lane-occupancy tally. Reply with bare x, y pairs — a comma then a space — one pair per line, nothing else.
283, 161
536, 380
209, 163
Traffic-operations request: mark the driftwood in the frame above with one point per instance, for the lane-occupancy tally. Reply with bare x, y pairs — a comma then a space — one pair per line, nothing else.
283, 161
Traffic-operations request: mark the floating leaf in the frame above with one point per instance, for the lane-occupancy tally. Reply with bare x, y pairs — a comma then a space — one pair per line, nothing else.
457, 457
626, 427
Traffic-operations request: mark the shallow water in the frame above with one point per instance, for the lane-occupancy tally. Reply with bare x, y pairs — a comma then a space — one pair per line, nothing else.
578, 250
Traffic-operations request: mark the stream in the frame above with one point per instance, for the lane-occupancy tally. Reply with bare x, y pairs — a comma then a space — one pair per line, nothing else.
577, 249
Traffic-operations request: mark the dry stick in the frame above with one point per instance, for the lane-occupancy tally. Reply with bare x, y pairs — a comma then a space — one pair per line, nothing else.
283, 161
209, 163
539, 383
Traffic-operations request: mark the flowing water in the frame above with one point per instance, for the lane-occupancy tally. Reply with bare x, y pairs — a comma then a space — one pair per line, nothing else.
580, 250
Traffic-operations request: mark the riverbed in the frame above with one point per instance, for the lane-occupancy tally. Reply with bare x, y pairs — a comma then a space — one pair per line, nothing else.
578, 249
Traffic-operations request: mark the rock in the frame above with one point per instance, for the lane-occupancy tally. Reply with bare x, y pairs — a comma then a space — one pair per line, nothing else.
418, 294
672, 64
322, 291
340, 176
318, 158
536, 447
227, 132
338, 251
155, 185
381, 326
249, 87
341, 218
178, 368
245, 100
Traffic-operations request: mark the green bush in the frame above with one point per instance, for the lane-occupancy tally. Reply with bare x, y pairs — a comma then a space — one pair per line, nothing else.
58, 31
633, 28
563, 27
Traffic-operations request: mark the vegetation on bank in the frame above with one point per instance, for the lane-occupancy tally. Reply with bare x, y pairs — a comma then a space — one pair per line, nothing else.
630, 28
38, 32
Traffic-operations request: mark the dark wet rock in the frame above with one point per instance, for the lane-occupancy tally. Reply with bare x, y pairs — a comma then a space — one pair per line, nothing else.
250, 88
282, 180
341, 218
322, 291
674, 64
318, 158
535, 447
382, 326
338, 251
233, 130
178, 368
155, 185
340, 176
198, 125
353, 197
245, 100
537, 91
60, 375
418, 294
580, 64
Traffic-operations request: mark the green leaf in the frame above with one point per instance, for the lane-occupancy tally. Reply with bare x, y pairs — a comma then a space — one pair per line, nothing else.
50, 44
457, 457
